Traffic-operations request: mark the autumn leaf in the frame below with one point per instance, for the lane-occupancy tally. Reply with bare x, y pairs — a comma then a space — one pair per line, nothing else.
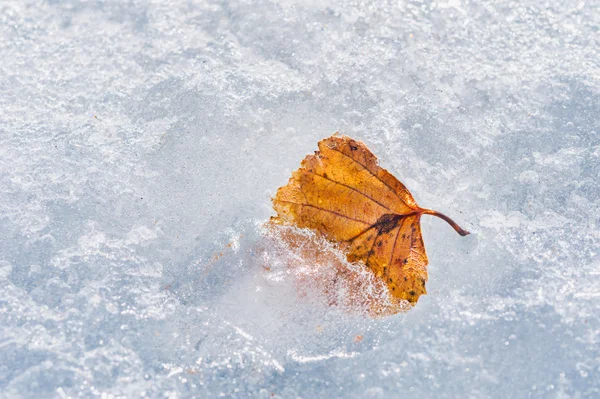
342, 193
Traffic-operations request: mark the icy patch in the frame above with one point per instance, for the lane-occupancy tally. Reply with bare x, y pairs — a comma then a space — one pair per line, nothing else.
321, 273
141, 140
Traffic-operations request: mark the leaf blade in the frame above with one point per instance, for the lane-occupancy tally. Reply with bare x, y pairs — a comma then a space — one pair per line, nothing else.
341, 192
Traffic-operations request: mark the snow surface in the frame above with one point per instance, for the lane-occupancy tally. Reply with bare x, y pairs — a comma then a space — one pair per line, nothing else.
139, 140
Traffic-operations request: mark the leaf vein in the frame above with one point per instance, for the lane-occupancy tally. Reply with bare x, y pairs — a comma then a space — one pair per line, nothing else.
326, 210
352, 188
372, 174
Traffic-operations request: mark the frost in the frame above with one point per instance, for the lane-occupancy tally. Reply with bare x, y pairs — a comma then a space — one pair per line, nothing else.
140, 142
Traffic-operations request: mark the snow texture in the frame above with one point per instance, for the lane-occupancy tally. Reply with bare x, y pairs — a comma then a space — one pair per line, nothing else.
141, 140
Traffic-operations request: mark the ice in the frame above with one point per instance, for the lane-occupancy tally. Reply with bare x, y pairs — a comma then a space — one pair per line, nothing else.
140, 142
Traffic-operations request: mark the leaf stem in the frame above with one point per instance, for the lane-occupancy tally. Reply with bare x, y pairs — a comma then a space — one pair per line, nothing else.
451, 222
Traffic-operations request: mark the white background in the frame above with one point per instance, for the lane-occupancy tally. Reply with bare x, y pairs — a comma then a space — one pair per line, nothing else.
139, 138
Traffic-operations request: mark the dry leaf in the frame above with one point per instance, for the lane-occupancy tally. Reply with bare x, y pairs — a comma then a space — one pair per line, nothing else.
342, 193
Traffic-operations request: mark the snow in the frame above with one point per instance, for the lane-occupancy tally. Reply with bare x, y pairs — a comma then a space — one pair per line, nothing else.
140, 142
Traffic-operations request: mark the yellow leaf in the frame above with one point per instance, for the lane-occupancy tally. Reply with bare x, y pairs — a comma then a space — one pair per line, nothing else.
342, 193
